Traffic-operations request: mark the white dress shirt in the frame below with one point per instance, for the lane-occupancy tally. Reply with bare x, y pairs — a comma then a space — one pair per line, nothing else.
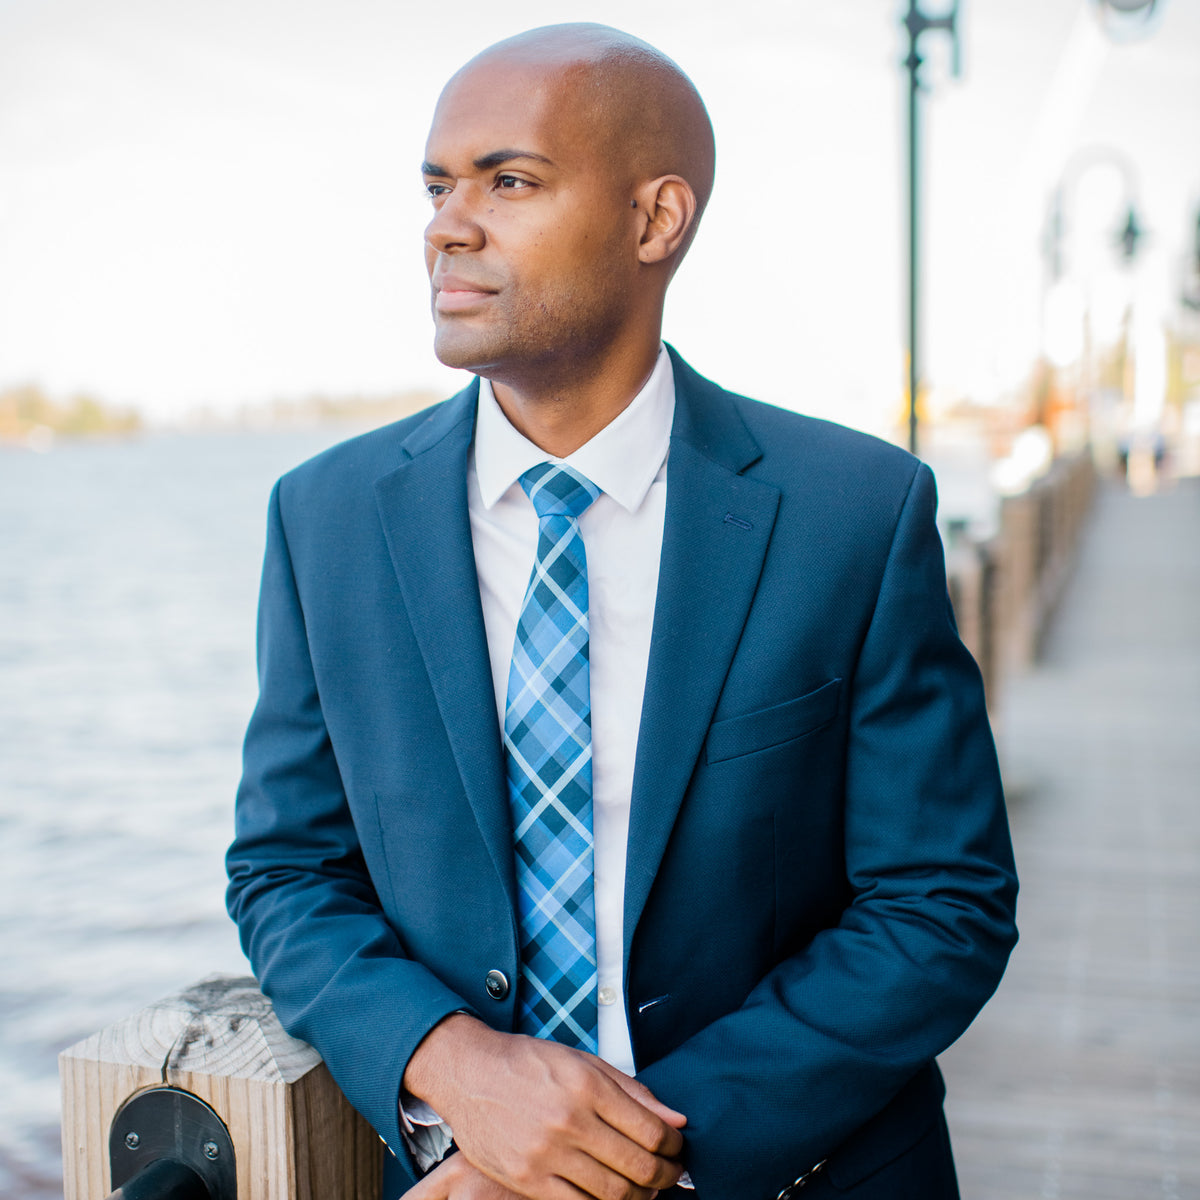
622, 535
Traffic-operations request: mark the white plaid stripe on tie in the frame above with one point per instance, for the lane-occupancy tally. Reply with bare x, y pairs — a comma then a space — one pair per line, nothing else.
548, 739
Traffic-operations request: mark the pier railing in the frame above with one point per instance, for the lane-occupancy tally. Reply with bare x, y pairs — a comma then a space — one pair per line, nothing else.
203, 1096
1005, 589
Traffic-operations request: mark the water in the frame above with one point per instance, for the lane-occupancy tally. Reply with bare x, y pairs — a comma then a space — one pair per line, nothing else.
128, 580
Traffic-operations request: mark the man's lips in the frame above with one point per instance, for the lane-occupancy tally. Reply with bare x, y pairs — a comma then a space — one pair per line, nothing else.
452, 294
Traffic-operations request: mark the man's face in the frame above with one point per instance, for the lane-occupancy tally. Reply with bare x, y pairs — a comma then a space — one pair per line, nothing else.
532, 251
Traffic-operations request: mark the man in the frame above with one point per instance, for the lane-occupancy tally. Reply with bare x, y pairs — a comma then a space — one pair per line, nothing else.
714, 795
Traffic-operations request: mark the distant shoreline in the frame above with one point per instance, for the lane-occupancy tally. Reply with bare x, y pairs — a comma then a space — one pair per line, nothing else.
30, 420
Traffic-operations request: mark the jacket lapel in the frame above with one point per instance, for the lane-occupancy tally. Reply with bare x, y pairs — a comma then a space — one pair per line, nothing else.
717, 528
718, 524
423, 506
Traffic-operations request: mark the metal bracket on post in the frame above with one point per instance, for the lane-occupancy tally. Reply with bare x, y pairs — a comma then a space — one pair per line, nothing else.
166, 1127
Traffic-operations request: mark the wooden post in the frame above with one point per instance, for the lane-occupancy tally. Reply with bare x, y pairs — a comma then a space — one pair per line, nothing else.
1018, 523
294, 1134
964, 576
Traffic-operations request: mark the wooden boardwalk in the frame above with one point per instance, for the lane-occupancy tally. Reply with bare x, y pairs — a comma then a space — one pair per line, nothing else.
1081, 1079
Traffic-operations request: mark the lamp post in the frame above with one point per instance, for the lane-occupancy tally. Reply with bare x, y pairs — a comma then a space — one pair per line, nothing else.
1068, 332
917, 23
1190, 296
1128, 238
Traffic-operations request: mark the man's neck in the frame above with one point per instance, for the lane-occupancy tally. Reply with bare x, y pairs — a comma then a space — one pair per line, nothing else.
560, 415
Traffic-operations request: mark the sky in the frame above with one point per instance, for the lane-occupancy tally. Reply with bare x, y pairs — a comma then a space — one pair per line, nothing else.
215, 202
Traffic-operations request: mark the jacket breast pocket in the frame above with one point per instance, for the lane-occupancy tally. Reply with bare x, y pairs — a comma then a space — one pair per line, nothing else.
774, 726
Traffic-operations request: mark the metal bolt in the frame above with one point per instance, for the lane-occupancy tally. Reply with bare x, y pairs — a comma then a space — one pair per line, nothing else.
131, 1141
211, 1150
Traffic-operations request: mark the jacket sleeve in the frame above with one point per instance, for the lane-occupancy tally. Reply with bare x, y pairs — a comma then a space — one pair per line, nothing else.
299, 890
835, 1031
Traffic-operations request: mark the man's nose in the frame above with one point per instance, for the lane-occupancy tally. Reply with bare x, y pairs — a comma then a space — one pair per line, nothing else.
454, 226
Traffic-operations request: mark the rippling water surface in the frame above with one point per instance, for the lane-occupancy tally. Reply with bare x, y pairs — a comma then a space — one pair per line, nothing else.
128, 579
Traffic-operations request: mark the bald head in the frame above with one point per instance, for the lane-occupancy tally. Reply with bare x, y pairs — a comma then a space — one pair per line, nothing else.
567, 169
633, 103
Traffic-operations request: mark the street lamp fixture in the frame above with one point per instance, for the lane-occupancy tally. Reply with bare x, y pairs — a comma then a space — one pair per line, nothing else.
1143, 7
1131, 234
1125, 20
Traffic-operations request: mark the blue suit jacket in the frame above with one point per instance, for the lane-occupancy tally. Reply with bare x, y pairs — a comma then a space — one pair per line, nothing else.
820, 887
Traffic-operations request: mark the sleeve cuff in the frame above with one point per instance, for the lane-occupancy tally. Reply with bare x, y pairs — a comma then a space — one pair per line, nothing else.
427, 1136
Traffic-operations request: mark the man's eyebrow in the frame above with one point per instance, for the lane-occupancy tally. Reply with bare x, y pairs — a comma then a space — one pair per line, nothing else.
498, 157
487, 162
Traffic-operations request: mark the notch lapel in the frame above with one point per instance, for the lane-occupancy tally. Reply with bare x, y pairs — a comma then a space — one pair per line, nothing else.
717, 528
423, 507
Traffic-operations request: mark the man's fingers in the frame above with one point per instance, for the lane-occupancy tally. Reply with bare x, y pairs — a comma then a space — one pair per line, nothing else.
638, 1169
644, 1096
630, 1139
632, 1110
594, 1179
546, 1121
593, 1157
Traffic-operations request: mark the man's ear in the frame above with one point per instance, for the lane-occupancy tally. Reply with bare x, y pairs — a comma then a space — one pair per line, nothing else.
668, 205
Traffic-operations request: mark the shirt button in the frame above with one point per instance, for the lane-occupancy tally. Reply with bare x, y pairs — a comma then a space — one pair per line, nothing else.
607, 995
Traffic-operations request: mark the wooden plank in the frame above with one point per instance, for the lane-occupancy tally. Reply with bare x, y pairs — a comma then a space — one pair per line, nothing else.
1081, 1079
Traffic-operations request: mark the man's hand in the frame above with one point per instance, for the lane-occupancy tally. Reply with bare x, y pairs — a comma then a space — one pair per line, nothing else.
544, 1120
456, 1179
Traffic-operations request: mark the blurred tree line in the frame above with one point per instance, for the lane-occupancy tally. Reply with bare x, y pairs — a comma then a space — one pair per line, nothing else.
25, 410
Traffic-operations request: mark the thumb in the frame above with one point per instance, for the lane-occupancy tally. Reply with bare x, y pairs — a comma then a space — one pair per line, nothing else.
435, 1185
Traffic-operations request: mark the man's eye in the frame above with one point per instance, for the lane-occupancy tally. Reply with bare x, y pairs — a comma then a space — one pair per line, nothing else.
512, 182
434, 190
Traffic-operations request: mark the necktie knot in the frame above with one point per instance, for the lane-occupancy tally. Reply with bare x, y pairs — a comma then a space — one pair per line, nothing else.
558, 490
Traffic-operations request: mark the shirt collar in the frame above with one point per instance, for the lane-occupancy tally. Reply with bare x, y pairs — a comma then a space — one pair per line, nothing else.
622, 460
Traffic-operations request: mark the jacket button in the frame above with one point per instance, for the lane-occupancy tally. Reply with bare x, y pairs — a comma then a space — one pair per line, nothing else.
496, 984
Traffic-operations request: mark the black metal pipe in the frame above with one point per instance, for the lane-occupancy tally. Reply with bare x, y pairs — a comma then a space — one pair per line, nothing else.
914, 261
916, 22
163, 1179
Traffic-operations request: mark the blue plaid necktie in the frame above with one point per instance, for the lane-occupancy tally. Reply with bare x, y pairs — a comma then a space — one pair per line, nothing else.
548, 737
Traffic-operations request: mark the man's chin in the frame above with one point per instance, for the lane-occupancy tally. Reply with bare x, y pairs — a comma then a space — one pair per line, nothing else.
458, 348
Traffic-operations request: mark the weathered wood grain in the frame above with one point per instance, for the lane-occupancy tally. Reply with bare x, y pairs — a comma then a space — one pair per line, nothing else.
295, 1136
